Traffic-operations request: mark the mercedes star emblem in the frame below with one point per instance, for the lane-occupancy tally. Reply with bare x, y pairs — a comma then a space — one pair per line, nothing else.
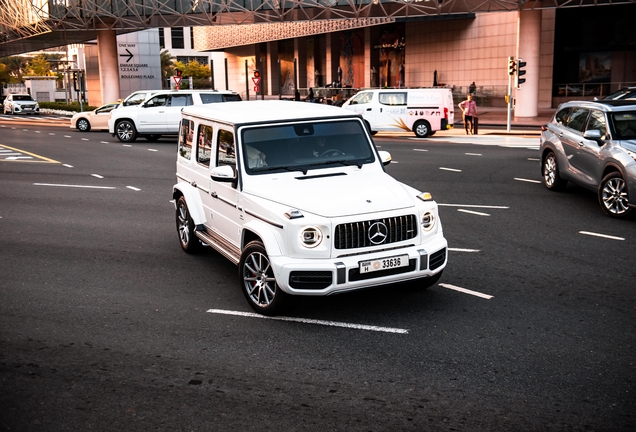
378, 233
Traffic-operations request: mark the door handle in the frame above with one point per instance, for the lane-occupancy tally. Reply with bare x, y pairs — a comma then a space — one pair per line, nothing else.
369, 109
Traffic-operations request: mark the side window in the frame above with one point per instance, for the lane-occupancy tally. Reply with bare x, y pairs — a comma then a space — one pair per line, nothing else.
597, 121
226, 152
562, 116
393, 99
185, 138
181, 100
204, 145
208, 98
578, 118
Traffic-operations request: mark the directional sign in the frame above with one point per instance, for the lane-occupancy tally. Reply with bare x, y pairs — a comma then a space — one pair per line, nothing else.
129, 55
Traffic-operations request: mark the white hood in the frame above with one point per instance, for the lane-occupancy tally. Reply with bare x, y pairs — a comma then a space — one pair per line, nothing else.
327, 195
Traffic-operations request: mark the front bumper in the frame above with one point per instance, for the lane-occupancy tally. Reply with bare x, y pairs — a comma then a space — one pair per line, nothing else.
329, 276
17, 109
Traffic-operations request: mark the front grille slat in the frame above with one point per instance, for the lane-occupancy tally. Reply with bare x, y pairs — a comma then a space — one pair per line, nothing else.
355, 234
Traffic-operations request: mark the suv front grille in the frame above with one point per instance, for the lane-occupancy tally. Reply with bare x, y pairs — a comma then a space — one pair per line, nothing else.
391, 230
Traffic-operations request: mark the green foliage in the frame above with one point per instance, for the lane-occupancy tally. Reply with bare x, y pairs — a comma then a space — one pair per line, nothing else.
38, 66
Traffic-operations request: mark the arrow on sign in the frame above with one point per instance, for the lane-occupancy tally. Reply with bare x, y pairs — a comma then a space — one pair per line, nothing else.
129, 55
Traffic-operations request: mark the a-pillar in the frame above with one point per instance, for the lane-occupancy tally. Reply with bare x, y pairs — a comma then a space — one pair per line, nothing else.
528, 49
108, 67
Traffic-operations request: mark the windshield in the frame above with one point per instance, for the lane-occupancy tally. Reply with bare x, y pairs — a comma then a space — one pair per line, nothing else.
305, 146
22, 98
624, 125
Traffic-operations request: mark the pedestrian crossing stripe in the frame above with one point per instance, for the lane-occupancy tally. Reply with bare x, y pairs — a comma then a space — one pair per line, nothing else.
38, 158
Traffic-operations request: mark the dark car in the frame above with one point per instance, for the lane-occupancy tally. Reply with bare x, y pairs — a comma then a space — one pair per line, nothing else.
628, 93
593, 144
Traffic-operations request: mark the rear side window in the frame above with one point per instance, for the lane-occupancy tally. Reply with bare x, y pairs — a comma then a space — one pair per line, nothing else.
181, 100
231, 98
578, 119
208, 98
392, 99
562, 116
204, 144
226, 152
186, 133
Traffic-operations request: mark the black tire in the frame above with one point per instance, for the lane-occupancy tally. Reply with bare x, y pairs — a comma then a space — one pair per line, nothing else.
153, 137
185, 228
258, 283
421, 129
612, 196
126, 131
550, 173
83, 125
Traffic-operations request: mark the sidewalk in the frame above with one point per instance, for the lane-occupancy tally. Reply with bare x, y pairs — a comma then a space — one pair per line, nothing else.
494, 121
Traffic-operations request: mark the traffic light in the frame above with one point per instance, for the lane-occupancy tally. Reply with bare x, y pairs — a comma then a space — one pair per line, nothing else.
257, 74
178, 72
520, 73
75, 82
512, 66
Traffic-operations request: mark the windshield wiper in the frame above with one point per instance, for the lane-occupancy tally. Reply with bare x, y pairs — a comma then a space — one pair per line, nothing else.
286, 168
339, 161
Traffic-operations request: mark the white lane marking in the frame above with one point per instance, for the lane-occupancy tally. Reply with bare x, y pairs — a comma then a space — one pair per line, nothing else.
153, 150
74, 186
600, 235
133, 188
474, 154
51, 133
126, 145
534, 159
466, 291
473, 206
67, 165
463, 250
38, 132
527, 180
450, 169
103, 142
18, 157
84, 139
472, 212
67, 136
420, 150
311, 321
97, 175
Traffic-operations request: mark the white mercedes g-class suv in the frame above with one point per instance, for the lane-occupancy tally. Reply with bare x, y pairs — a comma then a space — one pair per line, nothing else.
296, 195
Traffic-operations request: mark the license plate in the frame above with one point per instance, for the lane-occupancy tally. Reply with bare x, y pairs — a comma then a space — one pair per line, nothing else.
384, 264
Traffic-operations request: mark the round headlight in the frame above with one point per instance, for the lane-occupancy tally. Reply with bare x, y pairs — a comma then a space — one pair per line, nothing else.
428, 221
311, 237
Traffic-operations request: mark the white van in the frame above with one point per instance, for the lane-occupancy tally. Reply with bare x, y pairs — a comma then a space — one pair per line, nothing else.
423, 111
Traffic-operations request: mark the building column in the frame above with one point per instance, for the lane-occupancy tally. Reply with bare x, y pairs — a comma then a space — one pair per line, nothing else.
328, 61
108, 67
367, 57
273, 77
528, 49
300, 53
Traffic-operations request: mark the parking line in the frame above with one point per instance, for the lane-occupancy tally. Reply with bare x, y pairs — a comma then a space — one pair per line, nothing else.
420, 150
133, 188
600, 235
466, 291
450, 169
474, 154
527, 180
472, 212
311, 321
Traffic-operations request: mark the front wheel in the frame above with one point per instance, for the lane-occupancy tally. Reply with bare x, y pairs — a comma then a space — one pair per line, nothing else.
550, 173
185, 228
83, 125
612, 195
258, 282
421, 129
126, 131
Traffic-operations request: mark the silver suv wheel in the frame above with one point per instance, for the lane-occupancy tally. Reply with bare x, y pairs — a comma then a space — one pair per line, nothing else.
612, 195
126, 131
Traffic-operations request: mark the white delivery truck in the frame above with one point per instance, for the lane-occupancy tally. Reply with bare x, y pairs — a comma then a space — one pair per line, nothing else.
423, 111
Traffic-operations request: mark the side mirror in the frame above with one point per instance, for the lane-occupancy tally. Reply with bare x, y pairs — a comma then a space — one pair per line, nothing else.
223, 173
353, 102
385, 157
594, 135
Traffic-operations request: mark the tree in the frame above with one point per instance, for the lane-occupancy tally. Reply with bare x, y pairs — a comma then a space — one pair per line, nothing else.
38, 66
167, 68
16, 67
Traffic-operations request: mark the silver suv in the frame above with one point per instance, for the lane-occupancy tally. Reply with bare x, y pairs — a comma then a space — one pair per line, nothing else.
160, 113
20, 104
593, 144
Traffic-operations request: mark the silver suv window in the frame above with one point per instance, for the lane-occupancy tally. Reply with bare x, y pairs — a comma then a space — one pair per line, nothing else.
624, 125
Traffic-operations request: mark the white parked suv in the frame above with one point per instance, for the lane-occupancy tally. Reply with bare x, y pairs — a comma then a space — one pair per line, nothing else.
160, 113
297, 196
20, 104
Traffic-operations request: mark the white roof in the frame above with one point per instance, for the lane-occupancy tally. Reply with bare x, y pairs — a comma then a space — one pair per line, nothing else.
265, 111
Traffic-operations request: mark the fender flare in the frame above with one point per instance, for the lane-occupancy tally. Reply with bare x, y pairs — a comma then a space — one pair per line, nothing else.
267, 235
193, 200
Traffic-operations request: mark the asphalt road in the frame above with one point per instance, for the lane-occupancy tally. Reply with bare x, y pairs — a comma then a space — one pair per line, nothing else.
105, 324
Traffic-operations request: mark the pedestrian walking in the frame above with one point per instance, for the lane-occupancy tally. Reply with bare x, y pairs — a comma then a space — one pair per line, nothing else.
472, 89
469, 114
